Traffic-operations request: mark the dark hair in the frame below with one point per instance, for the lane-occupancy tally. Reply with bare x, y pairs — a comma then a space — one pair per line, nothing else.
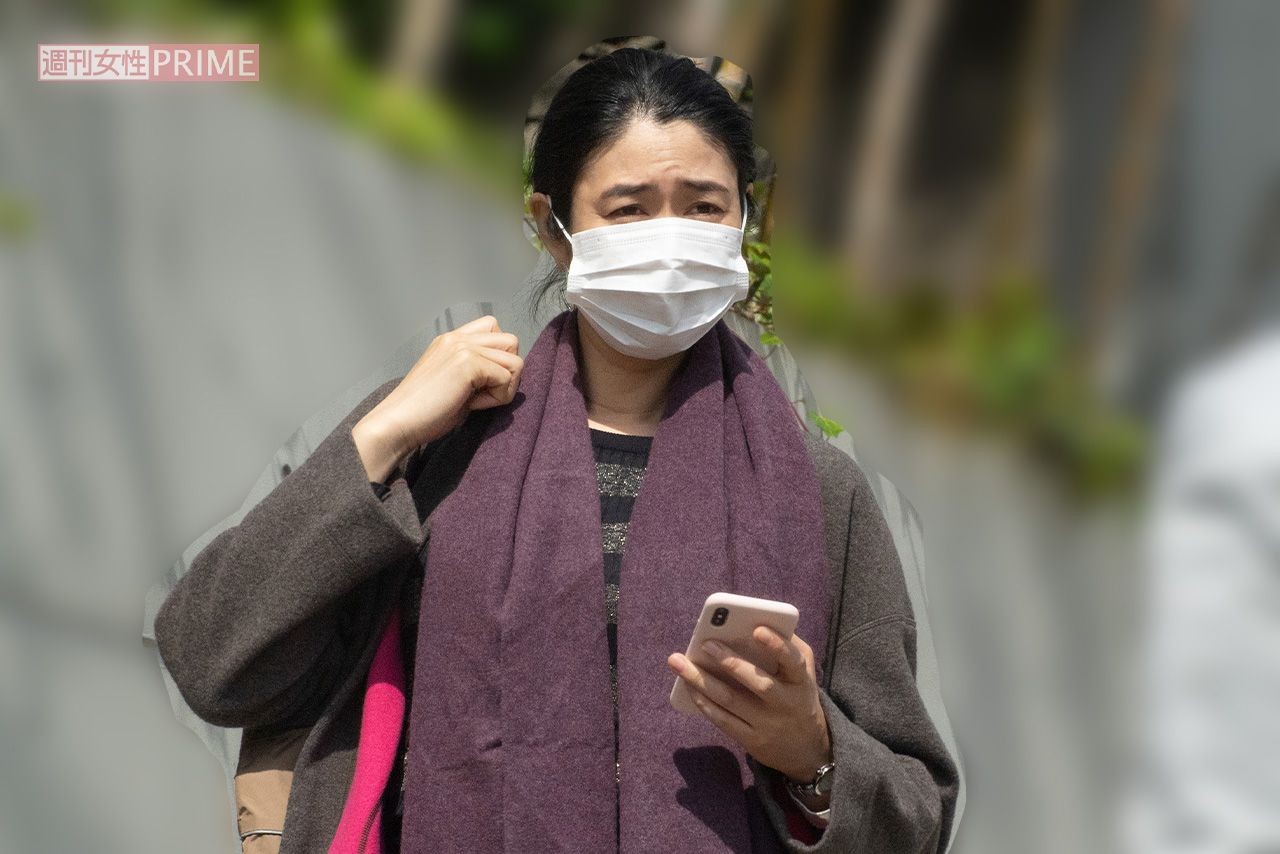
599, 100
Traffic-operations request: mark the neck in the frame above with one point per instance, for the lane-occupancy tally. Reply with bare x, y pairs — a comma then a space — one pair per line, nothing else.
624, 394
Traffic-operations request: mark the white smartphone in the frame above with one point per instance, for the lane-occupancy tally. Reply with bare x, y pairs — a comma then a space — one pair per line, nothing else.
730, 619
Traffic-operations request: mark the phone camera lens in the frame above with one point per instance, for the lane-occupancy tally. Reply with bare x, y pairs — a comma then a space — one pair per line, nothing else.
719, 616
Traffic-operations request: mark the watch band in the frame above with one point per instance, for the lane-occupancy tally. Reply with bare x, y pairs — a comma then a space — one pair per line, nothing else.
796, 790
818, 819
811, 788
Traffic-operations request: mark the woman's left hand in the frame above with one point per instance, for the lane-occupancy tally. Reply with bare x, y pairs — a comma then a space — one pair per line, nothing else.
777, 717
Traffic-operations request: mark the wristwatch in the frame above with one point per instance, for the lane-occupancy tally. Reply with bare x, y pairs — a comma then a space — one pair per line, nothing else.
821, 785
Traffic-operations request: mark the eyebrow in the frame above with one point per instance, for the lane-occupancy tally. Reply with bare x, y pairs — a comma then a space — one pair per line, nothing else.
619, 190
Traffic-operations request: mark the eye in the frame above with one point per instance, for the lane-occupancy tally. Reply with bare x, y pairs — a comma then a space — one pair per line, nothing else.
708, 209
626, 210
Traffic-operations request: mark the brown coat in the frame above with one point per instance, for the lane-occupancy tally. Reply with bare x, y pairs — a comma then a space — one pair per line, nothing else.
275, 624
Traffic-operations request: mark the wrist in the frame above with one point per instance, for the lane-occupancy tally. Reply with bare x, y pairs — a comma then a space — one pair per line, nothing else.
806, 770
380, 445
802, 774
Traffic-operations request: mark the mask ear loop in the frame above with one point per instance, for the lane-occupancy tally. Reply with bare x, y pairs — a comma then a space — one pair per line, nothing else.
563, 230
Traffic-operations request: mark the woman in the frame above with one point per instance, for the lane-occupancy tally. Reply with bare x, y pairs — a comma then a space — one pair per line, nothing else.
575, 507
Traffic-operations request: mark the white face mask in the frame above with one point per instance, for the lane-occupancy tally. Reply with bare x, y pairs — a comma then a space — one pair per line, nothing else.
653, 287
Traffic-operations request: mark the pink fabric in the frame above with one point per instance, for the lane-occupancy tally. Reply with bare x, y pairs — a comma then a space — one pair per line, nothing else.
380, 728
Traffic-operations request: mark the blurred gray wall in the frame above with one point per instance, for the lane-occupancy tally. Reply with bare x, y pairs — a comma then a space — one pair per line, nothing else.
1207, 281
200, 269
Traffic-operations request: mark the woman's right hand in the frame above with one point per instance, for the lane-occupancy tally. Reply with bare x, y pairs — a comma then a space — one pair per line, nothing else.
476, 366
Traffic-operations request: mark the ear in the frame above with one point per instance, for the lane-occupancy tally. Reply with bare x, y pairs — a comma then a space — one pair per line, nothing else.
548, 232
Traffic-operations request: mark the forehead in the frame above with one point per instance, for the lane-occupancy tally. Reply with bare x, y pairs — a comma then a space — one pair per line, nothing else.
649, 151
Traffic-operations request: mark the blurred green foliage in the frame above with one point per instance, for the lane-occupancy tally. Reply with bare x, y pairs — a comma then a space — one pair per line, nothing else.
312, 65
17, 218
759, 306
1001, 361
313, 53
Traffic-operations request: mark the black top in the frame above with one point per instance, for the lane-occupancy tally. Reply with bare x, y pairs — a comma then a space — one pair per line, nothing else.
621, 460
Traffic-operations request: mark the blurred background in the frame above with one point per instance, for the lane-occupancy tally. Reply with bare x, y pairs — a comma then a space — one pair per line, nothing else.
1017, 245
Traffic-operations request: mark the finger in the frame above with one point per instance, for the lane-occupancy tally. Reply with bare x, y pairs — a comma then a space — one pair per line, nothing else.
498, 340
499, 393
492, 383
791, 667
488, 374
709, 686
508, 360
746, 673
488, 323
725, 720
488, 399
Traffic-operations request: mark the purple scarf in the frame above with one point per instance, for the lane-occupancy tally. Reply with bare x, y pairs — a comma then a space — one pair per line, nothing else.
511, 725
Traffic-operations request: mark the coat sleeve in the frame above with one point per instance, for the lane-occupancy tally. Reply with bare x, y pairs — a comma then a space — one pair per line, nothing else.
257, 632
896, 784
